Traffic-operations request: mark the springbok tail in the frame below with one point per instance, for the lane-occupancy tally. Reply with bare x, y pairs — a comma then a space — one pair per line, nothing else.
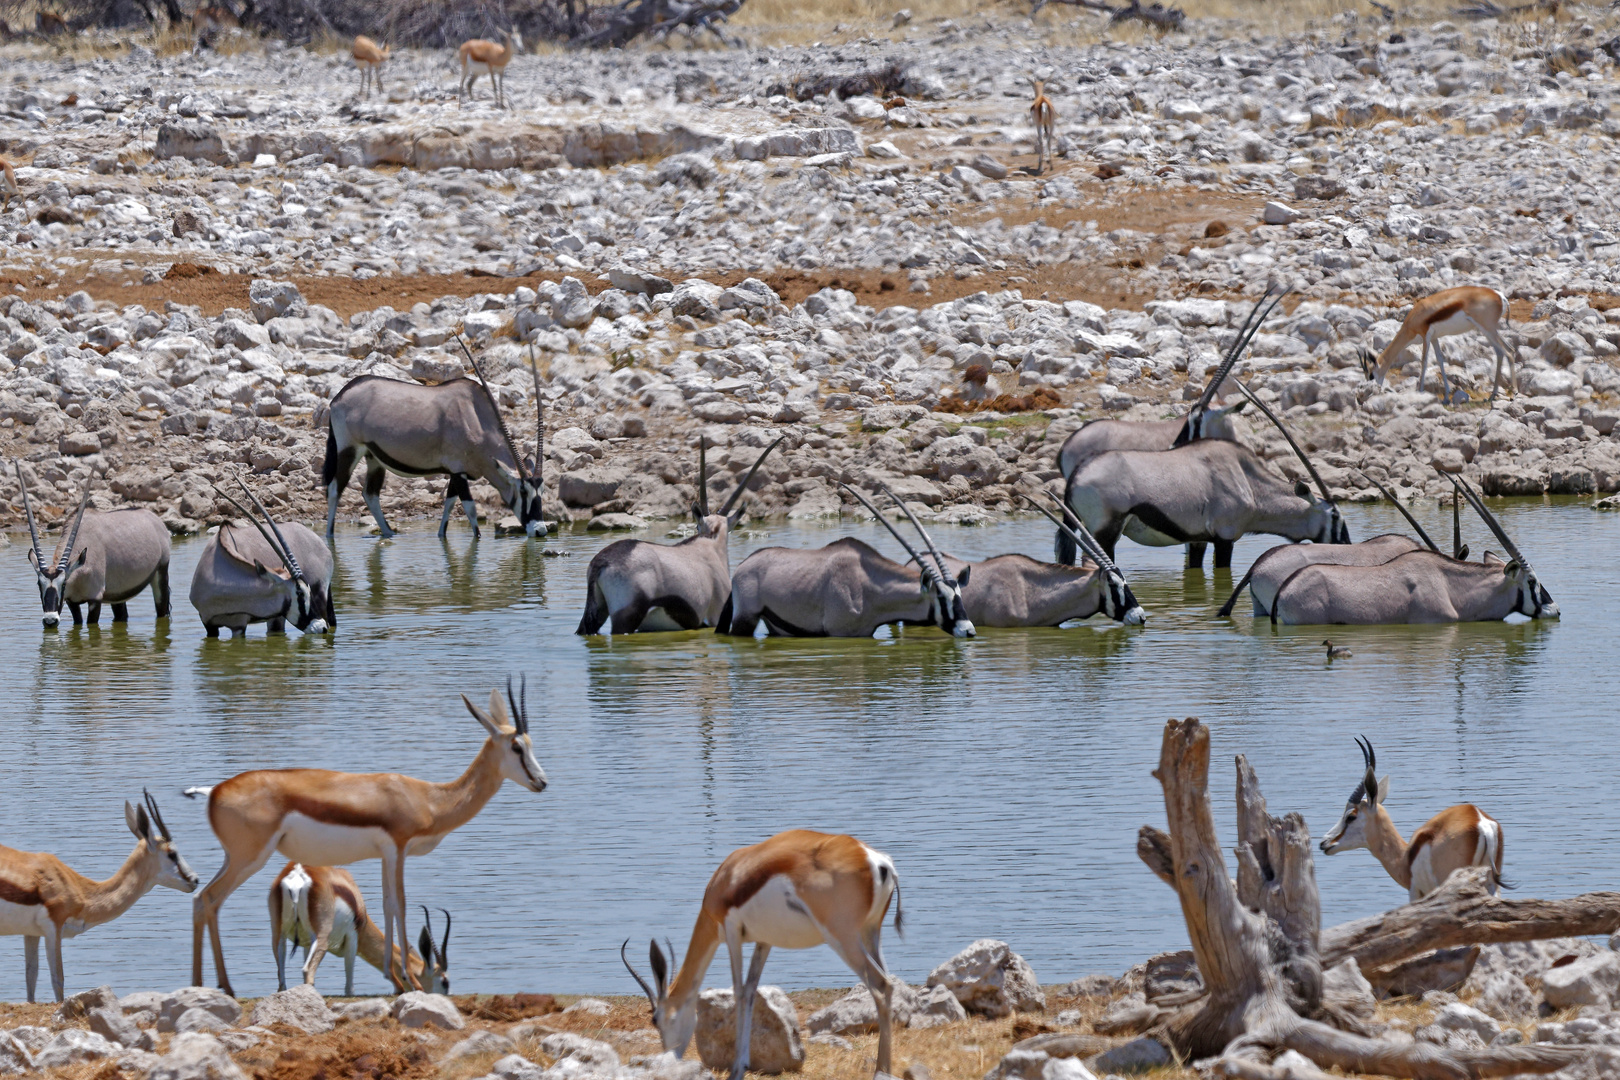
1226, 608
198, 792
1490, 855
899, 909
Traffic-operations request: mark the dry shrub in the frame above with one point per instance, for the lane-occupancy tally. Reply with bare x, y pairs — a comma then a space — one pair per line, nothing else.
505, 1007
350, 1056
1041, 398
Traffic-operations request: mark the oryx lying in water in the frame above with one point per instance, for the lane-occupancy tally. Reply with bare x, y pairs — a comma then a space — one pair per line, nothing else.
238, 582
641, 585
123, 552
1203, 421
845, 589
1418, 587
416, 430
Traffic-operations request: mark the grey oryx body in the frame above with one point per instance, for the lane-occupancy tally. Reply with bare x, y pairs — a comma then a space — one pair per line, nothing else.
245, 577
1276, 565
846, 589
1016, 590
451, 429
102, 559
643, 586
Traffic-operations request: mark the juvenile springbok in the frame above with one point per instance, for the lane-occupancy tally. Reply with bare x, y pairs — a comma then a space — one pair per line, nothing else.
242, 578
643, 586
1456, 837
42, 897
323, 818
8, 184
480, 57
797, 890
320, 909
369, 57
1043, 116
1451, 311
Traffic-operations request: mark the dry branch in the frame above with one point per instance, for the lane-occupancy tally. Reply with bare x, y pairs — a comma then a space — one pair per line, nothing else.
622, 23
1154, 14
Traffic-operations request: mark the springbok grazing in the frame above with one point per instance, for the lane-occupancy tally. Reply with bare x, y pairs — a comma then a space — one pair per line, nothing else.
8, 184
208, 22
1451, 311
643, 586
1418, 587
845, 589
42, 897
237, 581
797, 890
453, 429
323, 818
1457, 837
320, 909
49, 24
1043, 116
124, 551
369, 57
480, 57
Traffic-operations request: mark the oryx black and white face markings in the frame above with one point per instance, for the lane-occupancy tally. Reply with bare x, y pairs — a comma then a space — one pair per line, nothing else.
234, 584
1339, 532
1533, 598
52, 577
1201, 421
1119, 602
944, 591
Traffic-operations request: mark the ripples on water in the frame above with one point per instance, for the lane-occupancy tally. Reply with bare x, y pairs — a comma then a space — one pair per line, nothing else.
1007, 775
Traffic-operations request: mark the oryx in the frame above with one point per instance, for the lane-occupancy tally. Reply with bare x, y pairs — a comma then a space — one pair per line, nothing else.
1418, 587
645, 586
454, 428
121, 553
845, 589
1203, 421
251, 577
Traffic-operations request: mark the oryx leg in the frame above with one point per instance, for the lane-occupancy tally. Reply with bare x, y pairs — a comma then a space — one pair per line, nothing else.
238, 632
343, 469
460, 488
1195, 556
160, 591
93, 613
375, 474
1223, 554
205, 911
629, 617
120, 613
31, 963
1108, 536
277, 625
78, 616
211, 630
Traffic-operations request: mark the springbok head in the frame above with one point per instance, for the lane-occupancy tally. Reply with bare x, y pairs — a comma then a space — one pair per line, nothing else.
52, 580
435, 958
718, 525
170, 869
1531, 597
1203, 420
1364, 802
675, 1026
1328, 523
1118, 601
309, 606
523, 480
510, 734
946, 609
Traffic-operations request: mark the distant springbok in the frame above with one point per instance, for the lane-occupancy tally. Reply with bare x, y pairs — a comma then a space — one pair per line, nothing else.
8, 184
1451, 311
1043, 115
1457, 837
369, 57
320, 909
480, 57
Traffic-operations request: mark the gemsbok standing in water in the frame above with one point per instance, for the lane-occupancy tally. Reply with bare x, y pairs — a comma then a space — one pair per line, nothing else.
124, 551
320, 909
845, 589
797, 890
243, 578
453, 429
1457, 837
42, 897
643, 586
324, 818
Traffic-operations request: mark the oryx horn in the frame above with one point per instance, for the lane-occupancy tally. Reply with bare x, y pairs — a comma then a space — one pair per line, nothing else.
539, 419
248, 514
922, 566
1300, 453
1251, 327
1490, 520
500, 421
286, 552
939, 560
73, 537
1459, 550
156, 814
1079, 534
703, 476
28, 512
645, 989
519, 704
1405, 513
735, 495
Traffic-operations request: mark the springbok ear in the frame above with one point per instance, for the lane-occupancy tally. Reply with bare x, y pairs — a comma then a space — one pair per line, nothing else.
660, 970
1302, 489
132, 818
1383, 790
498, 713
142, 825
481, 716
424, 946
962, 578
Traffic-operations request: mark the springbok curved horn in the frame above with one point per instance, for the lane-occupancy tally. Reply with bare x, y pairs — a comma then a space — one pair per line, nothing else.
156, 814
1263, 407
735, 495
286, 552
28, 512
939, 560
444, 943
645, 989
927, 572
1251, 327
703, 476
1405, 513
539, 420
520, 705
500, 421
1369, 782
73, 537
248, 514
1490, 520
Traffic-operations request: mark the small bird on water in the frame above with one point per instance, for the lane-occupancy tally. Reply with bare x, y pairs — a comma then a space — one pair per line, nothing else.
1337, 652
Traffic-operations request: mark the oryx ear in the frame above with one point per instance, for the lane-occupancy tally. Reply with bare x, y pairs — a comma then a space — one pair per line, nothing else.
1383, 790
1510, 568
481, 716
1491, 558
84, 554
1239, 407
33, 560
1302, 489
962, 578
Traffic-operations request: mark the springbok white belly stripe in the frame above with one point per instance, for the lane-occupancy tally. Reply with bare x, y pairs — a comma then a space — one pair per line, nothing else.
30, 919
776, 916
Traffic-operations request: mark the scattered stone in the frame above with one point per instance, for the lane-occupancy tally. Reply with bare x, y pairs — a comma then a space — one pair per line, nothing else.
14, 1056
1276, 213
78, 1006
302, 1007
74, 1046
216, 1002
416, 1009
366, 1009
590, 1007
587, 1052
1138, 1055
195, 1056
1592, 980
480, 1042
114, 1026
773, 1043
989, 979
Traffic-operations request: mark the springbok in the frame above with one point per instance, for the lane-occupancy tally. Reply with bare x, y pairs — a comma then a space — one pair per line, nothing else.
324, 818
124, 551
236, 582
42, 897
845, 589
455, 428
643, 586
208, 21
1457, 837
1418, 587
1451, 311
320, 909
797, 890
8, 184
480, 57
1043, 116
369, 57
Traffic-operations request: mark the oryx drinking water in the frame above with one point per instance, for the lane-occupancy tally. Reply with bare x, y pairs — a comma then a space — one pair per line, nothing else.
102, 559
846, 589
251, 577
645, 586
